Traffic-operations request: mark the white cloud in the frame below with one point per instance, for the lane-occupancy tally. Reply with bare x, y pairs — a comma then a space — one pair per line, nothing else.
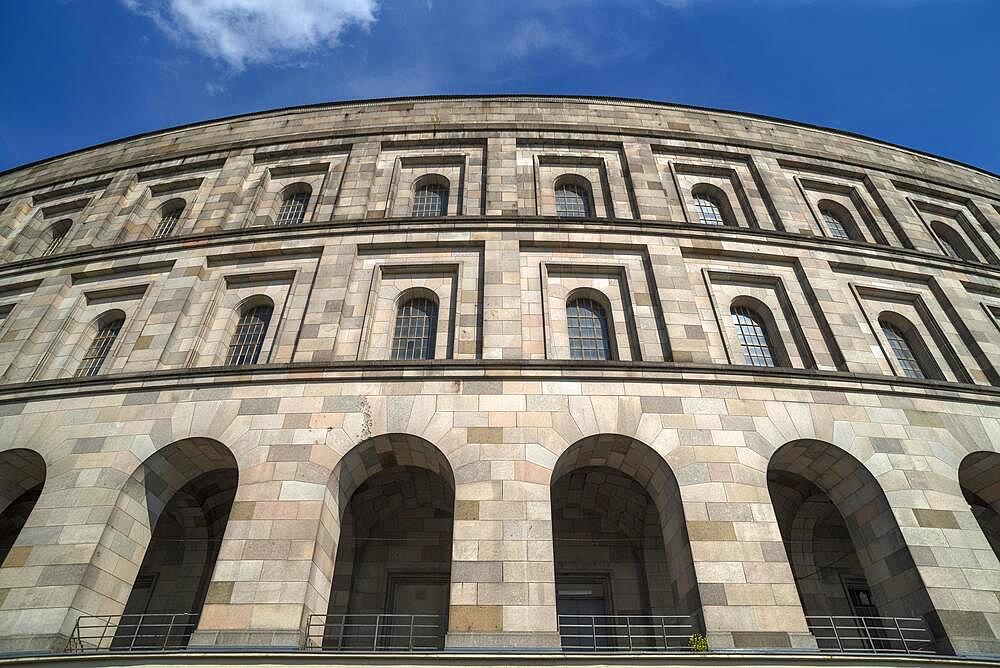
242, 32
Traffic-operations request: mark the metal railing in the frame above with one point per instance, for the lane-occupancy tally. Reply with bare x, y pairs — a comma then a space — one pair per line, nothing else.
132, 633
872, 635
629, 633
375, 632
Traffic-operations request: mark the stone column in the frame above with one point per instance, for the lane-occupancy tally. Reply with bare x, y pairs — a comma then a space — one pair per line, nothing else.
748, 594
275, 562
61, 567
502, 577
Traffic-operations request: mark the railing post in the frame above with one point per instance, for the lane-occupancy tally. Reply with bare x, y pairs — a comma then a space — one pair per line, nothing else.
628, 631
663, 632
378, 621
593, 631
906, 648
868, 634
170, 627
836, 633
412, 617
135, 634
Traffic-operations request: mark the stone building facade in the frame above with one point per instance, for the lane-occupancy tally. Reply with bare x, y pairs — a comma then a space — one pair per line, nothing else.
499, 359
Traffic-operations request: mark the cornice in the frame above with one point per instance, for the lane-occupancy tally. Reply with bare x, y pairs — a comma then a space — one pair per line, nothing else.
527, 224
473, 130
508, 97
796, 380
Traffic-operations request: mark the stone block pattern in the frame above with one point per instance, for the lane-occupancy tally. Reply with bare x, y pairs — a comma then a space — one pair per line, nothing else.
502, 483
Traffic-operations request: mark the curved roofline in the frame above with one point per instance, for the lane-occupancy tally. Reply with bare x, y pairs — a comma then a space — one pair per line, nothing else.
502, 96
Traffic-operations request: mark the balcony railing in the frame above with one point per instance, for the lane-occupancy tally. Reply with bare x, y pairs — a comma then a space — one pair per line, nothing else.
375, 632
872, 635
628, 633
132, 633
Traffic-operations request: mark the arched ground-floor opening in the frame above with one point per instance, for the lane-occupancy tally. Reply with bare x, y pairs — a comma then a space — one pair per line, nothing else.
392, 575
188, 489
856, 580
979, 476
623, 567
22, 476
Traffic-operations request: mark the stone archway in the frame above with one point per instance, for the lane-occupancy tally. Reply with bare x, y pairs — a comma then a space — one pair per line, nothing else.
847, 553
979, 476
166, 530
392, 574
620, 542
22, 476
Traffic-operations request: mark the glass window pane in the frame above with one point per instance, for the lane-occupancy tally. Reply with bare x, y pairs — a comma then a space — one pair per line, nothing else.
901, 348
430, 200
709, 210
168, 222
835, 227
58, 236
752, 334
293, 209
587, 324
99, 348
248, 339
572, 201
416, 330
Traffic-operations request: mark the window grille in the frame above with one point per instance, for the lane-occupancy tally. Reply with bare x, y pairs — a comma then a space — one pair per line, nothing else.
572, 201
587, 323
416, 330
903, 351
99, 348
293, 209
249, 336
954, 245
753, 337
430, 199
58, 236
709, 210
168, 222
834, 226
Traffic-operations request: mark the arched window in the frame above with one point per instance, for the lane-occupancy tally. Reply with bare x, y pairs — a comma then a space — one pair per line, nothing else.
170, 214
573, 198
416, 329
906, 346
837, 221
293, 204
711, 205
954, 244
587, 324
100, 347
755, 340
248, 339
58, 233
430, 197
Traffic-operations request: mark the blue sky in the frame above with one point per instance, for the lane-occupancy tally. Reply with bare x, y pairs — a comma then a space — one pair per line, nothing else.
923, 73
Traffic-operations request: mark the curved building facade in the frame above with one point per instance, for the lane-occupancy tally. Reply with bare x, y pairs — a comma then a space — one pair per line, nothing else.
500, 373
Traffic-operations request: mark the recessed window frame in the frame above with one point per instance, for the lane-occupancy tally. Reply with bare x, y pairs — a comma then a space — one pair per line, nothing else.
911, 357
954, 245
170, 215
589, 313
712, 206
838, 223
295, 201
574, 196
106, 329
431, 194
250, 332
58, 233
757, 334
415, 326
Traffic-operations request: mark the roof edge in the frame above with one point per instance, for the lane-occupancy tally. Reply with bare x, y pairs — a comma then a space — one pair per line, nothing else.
501, 96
